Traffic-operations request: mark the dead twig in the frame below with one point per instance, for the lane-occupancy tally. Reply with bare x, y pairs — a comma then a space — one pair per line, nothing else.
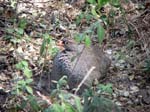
136, 29
84, 79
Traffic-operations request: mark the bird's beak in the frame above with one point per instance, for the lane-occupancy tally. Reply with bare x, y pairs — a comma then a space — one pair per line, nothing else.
60, 45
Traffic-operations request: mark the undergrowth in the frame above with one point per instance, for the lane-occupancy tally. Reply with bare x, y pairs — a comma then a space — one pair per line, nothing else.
93, 99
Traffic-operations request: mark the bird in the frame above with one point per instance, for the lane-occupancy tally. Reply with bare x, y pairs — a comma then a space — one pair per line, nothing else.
76, 60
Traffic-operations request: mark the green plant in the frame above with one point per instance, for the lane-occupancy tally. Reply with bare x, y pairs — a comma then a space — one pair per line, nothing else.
61, 99
23, 84
29, 100
13, 3
15, 34
22, 23
96, 6
48, 46
96, 100
101, 19
84, 16
147, 67
24, 91
100, 3
85, 36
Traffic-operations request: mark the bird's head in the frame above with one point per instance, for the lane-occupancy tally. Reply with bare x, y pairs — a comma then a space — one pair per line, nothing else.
69, 44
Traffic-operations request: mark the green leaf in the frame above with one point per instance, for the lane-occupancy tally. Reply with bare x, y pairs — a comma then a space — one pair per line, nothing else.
87, 41
93, 11
49, 40
91, 1
78, 104
79, 37
35, 106
18, 91
115, 3
96, 101
29, 89
79, 18
42, 49
55, 50
27, 73
105, 88
46, 41
28, 81
23, 104
48, 109
102, 2
20, 31
22, 23
100, 33
147, 66
88, 17
46, 36
21, 82
24, 63
56, 108
68, 107
62, 82
54, 93
104, 19
10, 30
21, 65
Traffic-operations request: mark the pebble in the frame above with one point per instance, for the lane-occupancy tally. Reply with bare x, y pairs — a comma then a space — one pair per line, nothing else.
134, 89
126, 93
129, 102
109, 51
122, 61
118, 103
35, 58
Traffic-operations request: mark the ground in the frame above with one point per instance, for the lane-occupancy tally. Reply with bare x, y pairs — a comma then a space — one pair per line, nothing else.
127, 44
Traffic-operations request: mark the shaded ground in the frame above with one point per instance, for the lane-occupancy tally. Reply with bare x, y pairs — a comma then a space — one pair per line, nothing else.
129, 52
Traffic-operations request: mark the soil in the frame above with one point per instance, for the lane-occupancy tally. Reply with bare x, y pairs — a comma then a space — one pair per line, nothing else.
126, 44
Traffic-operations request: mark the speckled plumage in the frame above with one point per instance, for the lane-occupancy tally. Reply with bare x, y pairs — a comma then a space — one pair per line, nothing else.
76, 60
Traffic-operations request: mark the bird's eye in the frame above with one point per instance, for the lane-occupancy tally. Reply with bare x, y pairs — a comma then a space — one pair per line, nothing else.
65, 41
